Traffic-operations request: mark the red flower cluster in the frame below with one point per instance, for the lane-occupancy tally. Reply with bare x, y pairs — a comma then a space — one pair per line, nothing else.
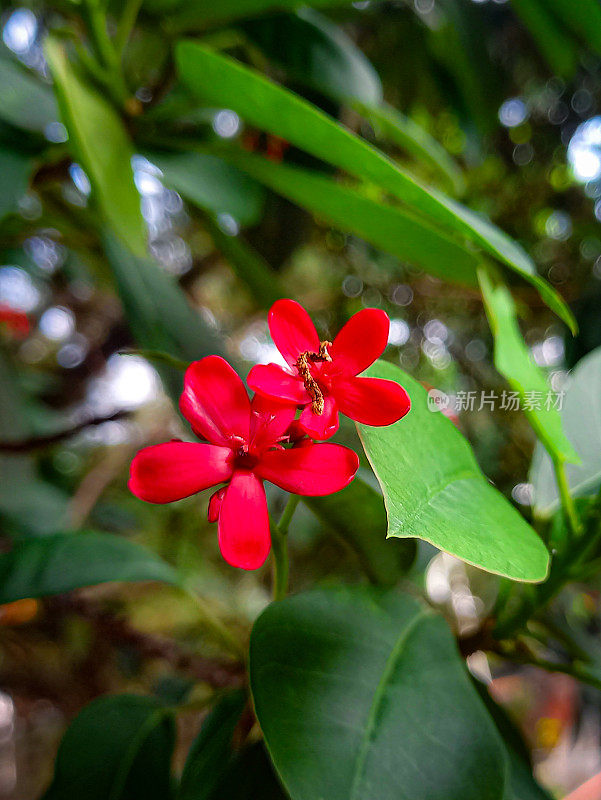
245, 443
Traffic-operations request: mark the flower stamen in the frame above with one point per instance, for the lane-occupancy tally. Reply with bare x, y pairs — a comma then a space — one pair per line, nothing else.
313, 389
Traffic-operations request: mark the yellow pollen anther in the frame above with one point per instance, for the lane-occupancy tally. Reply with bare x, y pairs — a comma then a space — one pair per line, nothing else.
311, 385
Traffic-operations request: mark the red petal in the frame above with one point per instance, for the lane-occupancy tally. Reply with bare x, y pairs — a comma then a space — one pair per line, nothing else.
244, 537
273, 381
320, 426
215, 504
174, 470
314, 470
292, 330
371, 401
361, 341
270, 419
215, 401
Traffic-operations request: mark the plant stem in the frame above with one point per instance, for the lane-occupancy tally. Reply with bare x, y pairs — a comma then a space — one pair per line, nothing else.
575, 669
279, 544
102, 43
567, 501
108, 70
215, 625
126, 24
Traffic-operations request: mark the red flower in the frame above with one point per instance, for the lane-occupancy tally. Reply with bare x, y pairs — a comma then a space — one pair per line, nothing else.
244, 446
16, 321
322, 376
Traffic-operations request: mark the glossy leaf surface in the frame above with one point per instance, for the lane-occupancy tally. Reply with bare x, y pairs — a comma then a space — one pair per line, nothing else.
363, 694
434, 490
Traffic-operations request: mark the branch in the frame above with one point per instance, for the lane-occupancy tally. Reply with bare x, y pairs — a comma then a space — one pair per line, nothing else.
38, 442
216, 672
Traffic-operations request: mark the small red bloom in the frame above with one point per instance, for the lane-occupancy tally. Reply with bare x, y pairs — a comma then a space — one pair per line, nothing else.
244, 446
16, 321
322, 376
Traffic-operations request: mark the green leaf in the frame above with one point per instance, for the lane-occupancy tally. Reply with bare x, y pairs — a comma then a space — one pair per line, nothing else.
391, 229
514, 362
581, 418
211, 752
224, 82
250, 777
362, 694
212, 184
434, 490
101, 144
389, 124
252, 269
15, 169
357, 515
38, 567
26, 102
555, 44
317, 53
117, 748
158, 312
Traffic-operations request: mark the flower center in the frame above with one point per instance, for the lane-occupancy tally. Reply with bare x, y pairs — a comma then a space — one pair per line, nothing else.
243, 459
304, 370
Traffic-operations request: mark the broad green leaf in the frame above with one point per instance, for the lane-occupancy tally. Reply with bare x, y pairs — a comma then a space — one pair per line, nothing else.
14, 169
212, 184
434, 490
357, 515
250, 777
362, 694
555, 44
581, 417
117, 748
389, 124
211, 752
158, 312
38, 567
223, 82
317, 53
514, 362
100, 143
252, 269
215, 771
387, 227
27, 102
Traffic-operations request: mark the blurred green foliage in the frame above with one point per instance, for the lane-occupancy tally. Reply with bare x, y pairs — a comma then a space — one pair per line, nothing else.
169, 168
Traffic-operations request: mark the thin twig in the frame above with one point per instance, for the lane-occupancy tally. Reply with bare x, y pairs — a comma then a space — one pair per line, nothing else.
38, 442
216, 672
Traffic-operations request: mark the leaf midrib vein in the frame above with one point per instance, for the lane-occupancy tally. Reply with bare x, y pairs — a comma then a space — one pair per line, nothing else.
467, 474
377, 699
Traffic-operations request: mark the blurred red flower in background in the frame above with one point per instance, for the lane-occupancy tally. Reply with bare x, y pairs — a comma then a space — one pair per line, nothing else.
245, 444
16, 322
322, 376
